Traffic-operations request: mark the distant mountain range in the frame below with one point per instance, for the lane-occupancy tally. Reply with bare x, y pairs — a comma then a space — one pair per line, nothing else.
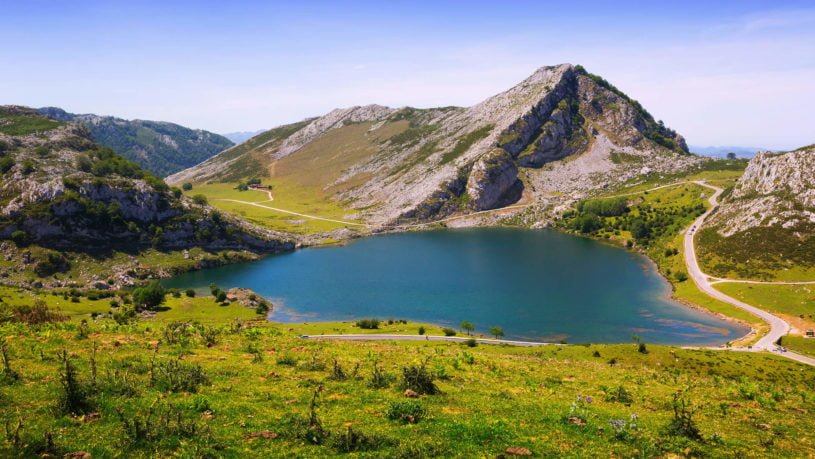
160, 147
721, 152
242, 136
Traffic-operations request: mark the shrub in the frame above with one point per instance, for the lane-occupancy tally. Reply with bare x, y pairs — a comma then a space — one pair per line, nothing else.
20, 237
337, 373
309, 429
200, 199
368, 324
448, 332
187, 186
8, 375
683, 424
75, 396
406, 411
681, 276
221, 296
190, 293
379, 378
354, 440
422, 330
471, 342
178, 376
28, 167
419, 380
287, 360
6, 164
37, 314
262, 307
619, 395
150, 296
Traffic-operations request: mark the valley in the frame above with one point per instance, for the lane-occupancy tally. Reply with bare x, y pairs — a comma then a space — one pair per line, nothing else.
387, 245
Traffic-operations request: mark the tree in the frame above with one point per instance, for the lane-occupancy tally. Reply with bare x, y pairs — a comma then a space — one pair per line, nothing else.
731, 155
187, 186
199, 199
221, 297
190, 293
150, 296
496, 331
467, 326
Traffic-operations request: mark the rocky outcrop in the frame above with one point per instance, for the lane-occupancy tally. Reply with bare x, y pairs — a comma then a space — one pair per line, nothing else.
776, 190
61, 190
493, 181
566, 129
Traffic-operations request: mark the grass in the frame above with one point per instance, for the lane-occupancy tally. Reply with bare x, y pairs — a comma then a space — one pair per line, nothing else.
288, 196
492, 397
669, 265
307, 181
790, 300
20, 125
799, 344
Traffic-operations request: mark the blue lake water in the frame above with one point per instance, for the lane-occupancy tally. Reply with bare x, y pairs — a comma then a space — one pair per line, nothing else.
536, 284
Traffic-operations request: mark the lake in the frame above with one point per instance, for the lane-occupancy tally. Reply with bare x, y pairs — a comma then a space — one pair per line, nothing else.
538, 285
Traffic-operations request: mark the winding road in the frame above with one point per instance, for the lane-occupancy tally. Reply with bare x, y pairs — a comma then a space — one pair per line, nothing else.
778, 326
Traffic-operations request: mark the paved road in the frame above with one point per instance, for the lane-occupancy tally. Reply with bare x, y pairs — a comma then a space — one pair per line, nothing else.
778, 327
455, 339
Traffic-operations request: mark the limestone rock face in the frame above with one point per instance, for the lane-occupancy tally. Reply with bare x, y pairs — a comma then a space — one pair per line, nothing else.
492, 178
61, 190
776, 190
566, 131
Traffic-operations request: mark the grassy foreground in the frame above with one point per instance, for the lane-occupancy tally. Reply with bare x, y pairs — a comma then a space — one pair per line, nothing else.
196, 381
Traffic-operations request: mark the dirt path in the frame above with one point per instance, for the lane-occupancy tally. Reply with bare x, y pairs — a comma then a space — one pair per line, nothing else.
366, 225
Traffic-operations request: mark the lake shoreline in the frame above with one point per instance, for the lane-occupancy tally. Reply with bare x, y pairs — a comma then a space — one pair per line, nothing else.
667, 320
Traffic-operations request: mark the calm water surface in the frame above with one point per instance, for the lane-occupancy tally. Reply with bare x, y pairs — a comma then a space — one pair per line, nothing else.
537, 285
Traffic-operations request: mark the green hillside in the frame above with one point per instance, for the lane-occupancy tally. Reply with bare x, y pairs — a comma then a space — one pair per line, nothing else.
160, 147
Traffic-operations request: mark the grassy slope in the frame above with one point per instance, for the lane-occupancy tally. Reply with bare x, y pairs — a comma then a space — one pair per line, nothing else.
493, 397
686, 292
305, 181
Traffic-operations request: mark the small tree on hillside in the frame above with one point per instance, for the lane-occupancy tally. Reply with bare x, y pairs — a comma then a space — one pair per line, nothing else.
150, 296
496, 331
467, 326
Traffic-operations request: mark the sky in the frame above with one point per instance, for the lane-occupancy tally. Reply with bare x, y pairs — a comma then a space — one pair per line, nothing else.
719, 72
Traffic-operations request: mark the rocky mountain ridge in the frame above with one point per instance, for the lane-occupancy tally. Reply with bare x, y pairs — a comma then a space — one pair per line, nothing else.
776, 190
158, 146
560, 132
61, 190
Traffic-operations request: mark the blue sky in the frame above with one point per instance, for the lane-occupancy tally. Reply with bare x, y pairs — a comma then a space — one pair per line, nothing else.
720, 72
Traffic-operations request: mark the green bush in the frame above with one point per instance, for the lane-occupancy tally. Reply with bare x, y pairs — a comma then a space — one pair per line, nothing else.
178, 376
187, 186
200, 199
150, 296
448, 331
6, 164
419, 380
406, 411
368, 324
